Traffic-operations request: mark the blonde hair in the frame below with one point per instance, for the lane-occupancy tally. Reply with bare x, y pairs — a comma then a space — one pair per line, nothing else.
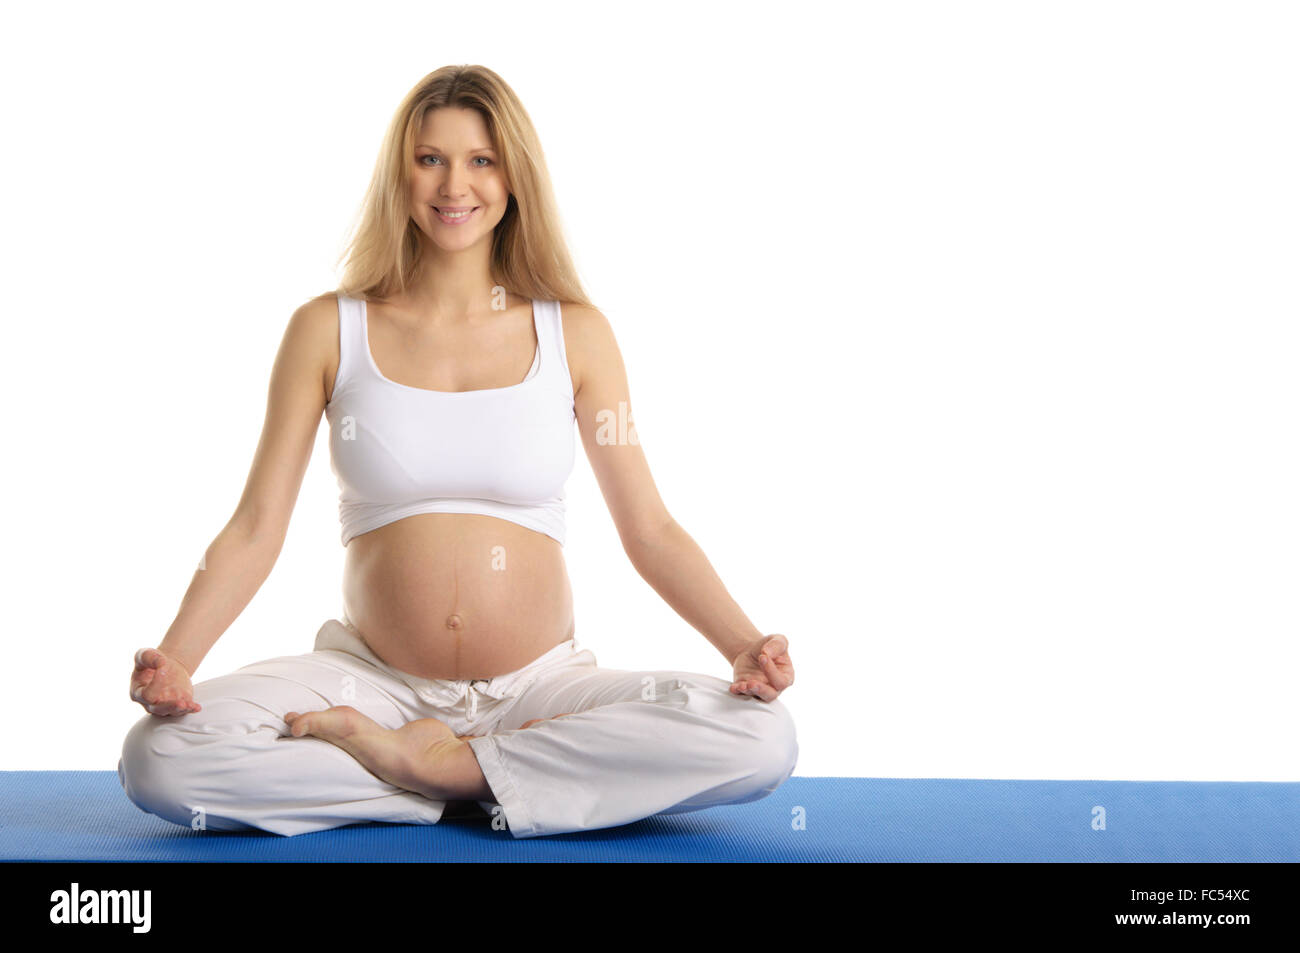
529, 254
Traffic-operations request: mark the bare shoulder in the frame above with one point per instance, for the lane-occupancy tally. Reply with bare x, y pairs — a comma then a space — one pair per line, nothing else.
322, 309
314, 332
579, 317
584, 330
587, 336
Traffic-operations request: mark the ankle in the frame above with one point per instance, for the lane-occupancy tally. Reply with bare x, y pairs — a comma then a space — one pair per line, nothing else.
449, 771
466, 776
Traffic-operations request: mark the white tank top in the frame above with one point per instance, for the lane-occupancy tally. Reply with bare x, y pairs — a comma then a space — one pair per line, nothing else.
398, 450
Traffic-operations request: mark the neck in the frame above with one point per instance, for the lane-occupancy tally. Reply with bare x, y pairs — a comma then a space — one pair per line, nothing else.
455, 288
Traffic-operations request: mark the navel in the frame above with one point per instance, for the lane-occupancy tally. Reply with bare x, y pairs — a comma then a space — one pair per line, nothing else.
453, 621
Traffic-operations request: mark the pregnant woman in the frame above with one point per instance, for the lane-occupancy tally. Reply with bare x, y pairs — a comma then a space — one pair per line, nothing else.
451, 364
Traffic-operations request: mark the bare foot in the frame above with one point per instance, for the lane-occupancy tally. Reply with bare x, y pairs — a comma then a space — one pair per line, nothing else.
414, 757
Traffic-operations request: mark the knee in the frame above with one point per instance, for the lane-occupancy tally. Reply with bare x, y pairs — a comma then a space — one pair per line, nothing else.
774, 748
760, 734
149, 769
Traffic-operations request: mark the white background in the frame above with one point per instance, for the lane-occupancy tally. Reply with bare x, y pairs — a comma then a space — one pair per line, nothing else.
961, 336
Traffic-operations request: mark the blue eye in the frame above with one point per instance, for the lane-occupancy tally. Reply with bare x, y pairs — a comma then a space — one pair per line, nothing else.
476, 158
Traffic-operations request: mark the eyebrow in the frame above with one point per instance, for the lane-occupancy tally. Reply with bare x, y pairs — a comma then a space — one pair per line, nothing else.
436, 149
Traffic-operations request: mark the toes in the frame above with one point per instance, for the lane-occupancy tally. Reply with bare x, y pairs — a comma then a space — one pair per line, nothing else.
332, 724
307, 723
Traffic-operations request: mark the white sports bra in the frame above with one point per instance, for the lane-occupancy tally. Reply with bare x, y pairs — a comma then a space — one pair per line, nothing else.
398, 450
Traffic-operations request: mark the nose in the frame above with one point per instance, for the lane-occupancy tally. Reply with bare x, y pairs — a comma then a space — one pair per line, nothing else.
453, 189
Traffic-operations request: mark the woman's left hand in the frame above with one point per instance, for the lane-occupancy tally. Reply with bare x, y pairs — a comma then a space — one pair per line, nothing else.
763, 670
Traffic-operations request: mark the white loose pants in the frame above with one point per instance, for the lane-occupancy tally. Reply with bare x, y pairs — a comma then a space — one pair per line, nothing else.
635, 744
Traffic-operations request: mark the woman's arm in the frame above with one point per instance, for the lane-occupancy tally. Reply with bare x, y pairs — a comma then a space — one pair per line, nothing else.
675, 567
241, 557
662, 552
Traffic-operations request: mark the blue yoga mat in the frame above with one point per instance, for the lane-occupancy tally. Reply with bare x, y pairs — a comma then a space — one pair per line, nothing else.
85, 816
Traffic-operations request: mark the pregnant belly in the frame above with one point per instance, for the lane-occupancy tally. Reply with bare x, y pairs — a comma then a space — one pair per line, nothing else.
458, 596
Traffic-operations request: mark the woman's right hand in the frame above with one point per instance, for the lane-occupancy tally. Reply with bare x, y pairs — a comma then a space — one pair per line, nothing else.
161, 684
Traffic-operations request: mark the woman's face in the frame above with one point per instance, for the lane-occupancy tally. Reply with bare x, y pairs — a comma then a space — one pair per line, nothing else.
456, 170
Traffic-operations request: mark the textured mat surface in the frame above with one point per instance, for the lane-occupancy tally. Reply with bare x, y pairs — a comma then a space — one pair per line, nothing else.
85, 816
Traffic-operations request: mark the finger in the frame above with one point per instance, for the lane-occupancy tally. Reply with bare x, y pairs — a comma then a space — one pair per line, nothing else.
150, 700
148, 658
775, 675
143, 679
751, 686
